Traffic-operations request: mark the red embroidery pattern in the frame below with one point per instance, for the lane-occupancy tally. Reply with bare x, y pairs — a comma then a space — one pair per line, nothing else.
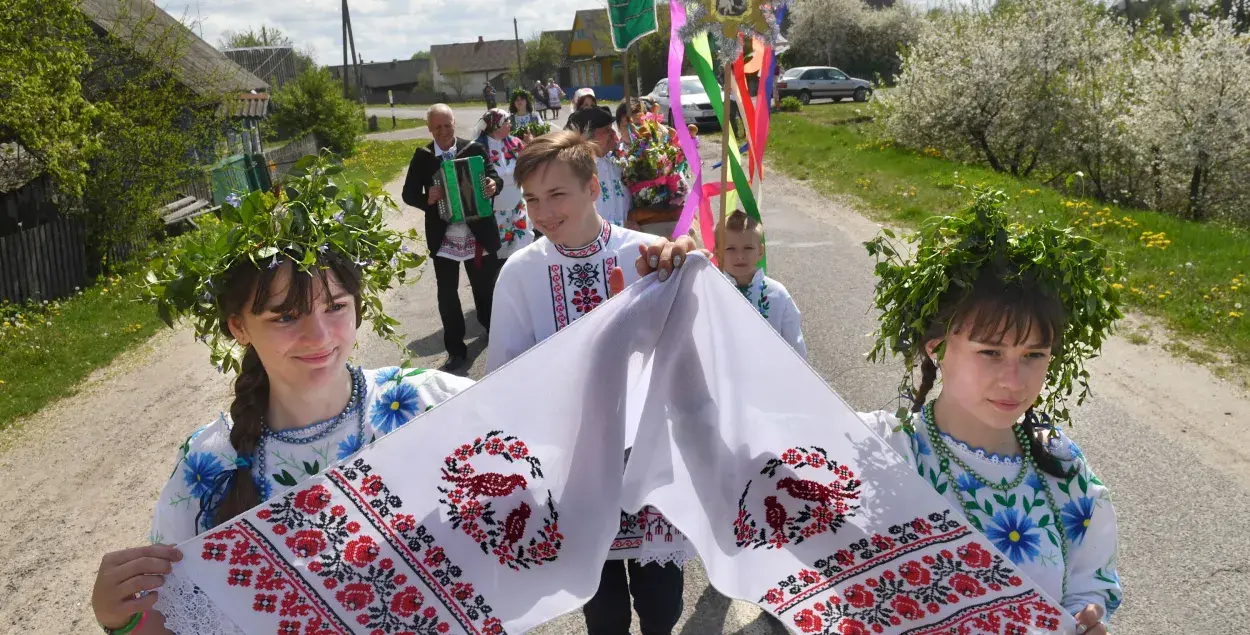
589, 250
255, 563
469, 511
377, 567
556, 274
647, 525
894, 591
824, 506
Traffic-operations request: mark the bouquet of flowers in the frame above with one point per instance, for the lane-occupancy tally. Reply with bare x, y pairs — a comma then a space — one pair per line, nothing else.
653, 166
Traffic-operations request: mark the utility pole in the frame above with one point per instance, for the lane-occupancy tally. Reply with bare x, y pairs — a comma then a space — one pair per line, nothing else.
516, 34
355, 58
344, 49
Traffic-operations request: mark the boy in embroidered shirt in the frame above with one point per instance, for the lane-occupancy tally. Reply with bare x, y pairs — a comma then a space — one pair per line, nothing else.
552, 282
744, 248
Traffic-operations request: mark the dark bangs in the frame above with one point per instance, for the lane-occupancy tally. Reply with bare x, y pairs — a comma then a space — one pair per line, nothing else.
250, 288
995, 308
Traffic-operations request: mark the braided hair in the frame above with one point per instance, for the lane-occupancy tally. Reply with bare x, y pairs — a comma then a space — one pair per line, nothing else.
249, 288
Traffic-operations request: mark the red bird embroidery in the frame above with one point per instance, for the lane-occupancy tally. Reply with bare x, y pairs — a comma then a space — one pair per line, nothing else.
514, 526
489, 484
775, 515
812, 491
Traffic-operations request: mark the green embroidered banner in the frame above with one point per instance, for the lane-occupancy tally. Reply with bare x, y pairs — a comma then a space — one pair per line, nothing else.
631, 20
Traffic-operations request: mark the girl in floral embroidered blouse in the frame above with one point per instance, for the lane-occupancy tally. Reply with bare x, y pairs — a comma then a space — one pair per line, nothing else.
981, 444
298, 408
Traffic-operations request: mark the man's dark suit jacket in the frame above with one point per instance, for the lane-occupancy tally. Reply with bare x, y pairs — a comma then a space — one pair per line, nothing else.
417, 189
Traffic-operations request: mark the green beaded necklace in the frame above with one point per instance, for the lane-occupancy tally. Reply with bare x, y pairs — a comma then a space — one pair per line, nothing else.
946, 455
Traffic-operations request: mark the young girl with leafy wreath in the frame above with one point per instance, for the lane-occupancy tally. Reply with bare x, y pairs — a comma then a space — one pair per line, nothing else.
1005, 316
524, 120
494, 132
277, 294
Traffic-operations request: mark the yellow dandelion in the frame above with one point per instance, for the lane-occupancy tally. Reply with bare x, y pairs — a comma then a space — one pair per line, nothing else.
1117, 285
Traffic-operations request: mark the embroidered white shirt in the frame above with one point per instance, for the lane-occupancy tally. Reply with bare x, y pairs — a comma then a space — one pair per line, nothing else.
774, 302
544, 288
614, 201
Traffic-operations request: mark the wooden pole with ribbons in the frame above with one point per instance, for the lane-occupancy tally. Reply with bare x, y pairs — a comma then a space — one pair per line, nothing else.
725, 127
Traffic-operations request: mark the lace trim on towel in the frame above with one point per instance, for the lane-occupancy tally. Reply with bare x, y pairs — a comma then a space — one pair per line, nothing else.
679, 558
189, 611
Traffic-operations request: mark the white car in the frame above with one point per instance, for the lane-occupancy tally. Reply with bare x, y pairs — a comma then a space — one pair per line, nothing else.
696, 106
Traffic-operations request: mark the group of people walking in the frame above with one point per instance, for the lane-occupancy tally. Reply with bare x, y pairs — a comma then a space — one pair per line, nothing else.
563, 221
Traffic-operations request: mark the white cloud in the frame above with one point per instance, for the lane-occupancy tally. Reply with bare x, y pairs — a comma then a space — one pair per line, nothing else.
383, 29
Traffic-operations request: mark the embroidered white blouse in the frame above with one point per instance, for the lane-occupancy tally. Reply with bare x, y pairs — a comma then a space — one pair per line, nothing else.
514, 228
545, 287
1021, 522
776, 305
387, 398
615, 201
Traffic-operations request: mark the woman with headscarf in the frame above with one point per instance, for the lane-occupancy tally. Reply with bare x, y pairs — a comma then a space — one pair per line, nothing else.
540, 99
494, 133
584, 98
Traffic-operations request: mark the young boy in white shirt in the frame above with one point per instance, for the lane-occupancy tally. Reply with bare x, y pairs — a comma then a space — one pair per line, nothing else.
744, 249
552, 282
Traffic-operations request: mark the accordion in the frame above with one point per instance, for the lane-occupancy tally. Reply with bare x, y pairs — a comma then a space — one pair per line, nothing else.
463, 199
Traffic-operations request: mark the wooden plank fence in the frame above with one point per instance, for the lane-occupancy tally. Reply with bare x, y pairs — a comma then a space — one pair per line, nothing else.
43, 263
281, 160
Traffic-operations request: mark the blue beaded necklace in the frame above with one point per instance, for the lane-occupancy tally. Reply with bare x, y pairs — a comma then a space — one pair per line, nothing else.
319, 430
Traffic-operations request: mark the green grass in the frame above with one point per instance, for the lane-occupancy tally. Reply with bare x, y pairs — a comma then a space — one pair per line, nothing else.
385, 124
46, 352
1195, 276
383, 160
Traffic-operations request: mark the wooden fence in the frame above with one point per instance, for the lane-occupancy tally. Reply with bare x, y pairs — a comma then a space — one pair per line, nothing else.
281, 160
43, 263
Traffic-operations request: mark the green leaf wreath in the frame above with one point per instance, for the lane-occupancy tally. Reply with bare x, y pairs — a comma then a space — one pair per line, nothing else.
317, 210
952, 251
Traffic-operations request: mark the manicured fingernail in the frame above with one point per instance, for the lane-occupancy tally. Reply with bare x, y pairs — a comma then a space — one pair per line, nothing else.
1081, 628
663, 275
655, 261
677, 261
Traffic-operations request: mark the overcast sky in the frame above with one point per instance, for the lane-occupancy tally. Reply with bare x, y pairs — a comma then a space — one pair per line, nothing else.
383, 29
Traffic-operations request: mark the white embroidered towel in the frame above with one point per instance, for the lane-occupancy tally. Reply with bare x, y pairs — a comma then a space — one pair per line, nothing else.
496, 509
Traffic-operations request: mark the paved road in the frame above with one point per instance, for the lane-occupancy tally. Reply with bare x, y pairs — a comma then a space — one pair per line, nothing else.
465, 120
1168, 444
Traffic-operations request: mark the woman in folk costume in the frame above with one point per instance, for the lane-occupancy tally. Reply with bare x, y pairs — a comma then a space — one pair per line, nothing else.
554, 95
494, 134
521, 105
286, 283
1004, 317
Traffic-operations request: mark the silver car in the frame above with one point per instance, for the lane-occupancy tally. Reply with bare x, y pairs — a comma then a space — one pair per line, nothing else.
816, 82
695, 103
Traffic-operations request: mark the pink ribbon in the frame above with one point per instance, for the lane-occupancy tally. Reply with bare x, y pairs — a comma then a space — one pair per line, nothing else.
696, 200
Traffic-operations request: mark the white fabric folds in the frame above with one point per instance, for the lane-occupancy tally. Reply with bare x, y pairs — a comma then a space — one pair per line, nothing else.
496, 510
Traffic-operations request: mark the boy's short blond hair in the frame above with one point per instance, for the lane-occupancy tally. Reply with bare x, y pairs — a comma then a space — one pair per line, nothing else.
563, 146
740, 222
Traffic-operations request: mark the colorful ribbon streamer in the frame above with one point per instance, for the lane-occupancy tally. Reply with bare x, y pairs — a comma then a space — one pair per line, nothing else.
676, 55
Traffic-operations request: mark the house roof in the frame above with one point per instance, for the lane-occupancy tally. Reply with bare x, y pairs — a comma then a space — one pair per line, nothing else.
275, 64
471, 57
563, 37
598, 31
389, 74
201, 67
